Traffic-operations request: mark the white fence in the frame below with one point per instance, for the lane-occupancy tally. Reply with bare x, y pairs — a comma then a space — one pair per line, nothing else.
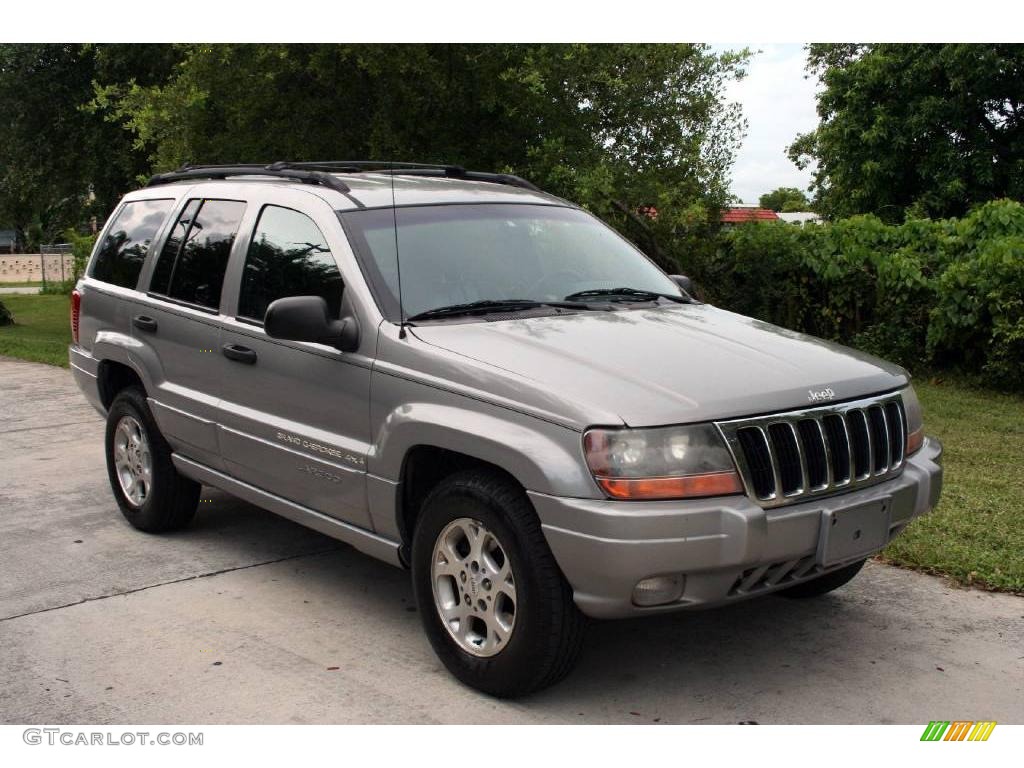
36, 267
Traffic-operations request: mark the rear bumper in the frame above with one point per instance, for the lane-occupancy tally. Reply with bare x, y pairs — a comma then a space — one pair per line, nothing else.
84, 369
728, 548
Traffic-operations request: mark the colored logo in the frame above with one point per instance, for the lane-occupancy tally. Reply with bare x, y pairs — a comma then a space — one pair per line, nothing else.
958, 730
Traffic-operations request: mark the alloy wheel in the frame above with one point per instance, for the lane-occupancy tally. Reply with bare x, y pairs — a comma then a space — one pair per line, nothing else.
473, 586
133, 460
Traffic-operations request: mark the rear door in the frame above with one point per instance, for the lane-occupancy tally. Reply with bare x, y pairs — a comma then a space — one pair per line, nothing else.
178, 324
110, 291
295, 415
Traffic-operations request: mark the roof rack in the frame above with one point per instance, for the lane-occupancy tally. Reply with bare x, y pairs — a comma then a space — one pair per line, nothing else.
323, 172
371, 166
411, 169
280, 170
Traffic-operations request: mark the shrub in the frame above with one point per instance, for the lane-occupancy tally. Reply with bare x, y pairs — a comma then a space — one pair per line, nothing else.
81, 248
978, 318
758, 270
58, 287
6, 318
928, 294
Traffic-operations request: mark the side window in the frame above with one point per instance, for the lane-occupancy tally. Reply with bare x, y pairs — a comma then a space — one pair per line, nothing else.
288, 256
165, 264
192, 263
120, 256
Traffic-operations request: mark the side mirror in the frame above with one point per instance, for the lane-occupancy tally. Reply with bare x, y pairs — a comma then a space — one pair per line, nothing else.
306, 318
683, 282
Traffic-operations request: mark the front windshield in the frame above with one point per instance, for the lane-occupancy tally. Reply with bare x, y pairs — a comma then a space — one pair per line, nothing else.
456, 254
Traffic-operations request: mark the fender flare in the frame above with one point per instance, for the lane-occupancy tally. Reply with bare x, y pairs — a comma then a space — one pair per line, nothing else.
116, 347
543, 457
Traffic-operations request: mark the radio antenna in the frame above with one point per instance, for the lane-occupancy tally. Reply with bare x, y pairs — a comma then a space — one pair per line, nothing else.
398, 260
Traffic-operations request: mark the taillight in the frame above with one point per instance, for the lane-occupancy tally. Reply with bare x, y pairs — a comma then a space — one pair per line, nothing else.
76, 311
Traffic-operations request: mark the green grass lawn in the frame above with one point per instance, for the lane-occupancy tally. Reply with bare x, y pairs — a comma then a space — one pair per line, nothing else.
41, 330
22, 284
976, 536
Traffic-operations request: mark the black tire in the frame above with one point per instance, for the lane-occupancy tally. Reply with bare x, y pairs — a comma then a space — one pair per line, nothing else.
823, 584
547, 635
172, 499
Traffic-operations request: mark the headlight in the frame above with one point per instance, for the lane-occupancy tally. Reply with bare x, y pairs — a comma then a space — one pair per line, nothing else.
915, 420
661, 463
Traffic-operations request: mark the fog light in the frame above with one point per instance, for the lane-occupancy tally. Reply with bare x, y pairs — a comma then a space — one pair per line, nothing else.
658, 590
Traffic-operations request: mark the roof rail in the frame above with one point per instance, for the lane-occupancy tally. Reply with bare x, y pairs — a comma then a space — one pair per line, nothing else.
279, 170
323, 172
365, 166
410, 169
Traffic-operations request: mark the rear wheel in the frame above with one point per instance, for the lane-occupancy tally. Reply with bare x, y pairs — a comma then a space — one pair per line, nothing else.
494, 604
824, 584
152, 496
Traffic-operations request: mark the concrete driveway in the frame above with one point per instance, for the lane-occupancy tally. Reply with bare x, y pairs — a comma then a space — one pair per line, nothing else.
247, 618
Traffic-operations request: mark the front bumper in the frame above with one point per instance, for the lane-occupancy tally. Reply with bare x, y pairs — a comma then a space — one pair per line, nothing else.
728, 548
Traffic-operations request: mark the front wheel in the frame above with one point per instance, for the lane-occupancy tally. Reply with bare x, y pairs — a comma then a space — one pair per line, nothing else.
495, 606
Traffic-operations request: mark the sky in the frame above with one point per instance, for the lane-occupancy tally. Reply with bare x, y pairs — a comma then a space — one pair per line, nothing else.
778, 102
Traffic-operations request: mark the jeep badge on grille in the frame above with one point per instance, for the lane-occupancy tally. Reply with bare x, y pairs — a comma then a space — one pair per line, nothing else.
816, 396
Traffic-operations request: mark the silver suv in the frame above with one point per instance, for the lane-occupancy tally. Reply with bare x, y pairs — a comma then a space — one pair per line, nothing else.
463, 376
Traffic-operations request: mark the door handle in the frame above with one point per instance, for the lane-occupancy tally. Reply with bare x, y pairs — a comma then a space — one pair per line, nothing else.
144, 323
239, 354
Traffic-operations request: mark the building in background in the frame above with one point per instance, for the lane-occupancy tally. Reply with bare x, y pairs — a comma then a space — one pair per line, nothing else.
800, 217
10, 242
741, 214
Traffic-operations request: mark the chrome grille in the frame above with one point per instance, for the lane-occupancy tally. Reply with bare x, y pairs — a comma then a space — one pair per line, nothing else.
788, 457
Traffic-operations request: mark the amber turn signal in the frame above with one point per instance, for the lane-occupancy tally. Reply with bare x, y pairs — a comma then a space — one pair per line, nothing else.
689, 486
915, 440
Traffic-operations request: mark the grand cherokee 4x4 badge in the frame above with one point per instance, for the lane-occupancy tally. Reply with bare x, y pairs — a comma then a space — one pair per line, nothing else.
816, 396
326, 450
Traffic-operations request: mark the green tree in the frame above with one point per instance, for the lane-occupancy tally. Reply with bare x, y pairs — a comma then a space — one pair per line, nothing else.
59, 163
620, 128
915, 129
785, 200
641, 134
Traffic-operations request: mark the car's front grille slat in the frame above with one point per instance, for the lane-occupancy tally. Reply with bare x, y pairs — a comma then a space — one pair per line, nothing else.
826, 444
817, 451
839, 440
894, 418
786, 456
813, 454
860, 444
880, 439
754, 446
773, 460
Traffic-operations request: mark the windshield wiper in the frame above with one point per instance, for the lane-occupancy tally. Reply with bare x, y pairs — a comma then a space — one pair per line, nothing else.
491, 305
634, 294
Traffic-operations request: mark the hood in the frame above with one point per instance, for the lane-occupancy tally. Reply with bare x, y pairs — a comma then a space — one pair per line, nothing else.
668, 365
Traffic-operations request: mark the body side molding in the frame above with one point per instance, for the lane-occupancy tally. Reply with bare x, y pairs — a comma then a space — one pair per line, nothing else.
363, 540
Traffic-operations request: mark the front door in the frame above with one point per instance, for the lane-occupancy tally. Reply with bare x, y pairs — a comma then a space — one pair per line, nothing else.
295, 415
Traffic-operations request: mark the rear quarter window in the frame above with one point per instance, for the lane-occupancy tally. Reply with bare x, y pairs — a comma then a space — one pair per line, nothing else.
120, 256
